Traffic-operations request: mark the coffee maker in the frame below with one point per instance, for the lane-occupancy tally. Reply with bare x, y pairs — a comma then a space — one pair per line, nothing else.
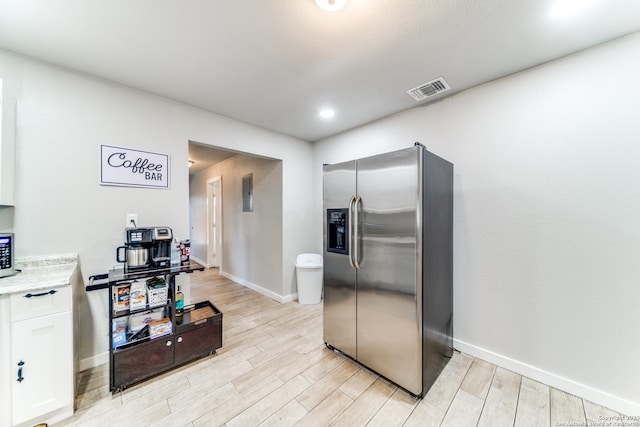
136, 252
146, 247
161, 238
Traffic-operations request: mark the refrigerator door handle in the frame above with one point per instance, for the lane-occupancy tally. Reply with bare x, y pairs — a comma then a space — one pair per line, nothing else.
356, 227
351, 230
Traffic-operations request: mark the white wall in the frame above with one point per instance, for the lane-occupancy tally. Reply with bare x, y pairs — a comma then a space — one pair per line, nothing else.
63, 117
252, 241
547, 216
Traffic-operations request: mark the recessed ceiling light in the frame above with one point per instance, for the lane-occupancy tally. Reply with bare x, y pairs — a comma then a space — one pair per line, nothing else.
331, 5
569, 7
327, 113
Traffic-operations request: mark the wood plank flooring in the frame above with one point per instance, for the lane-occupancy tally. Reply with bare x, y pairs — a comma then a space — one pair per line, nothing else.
274, 370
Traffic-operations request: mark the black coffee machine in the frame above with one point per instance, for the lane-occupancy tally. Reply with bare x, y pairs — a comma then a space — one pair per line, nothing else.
146, 247
161, 247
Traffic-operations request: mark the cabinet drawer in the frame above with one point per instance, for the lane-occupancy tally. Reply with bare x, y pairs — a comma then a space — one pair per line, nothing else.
27, 305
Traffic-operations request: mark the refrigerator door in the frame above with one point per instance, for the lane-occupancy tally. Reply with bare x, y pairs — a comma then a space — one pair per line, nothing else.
339, 309
389, 303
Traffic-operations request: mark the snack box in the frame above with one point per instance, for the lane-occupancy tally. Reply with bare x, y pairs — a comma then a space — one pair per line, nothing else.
119, 332
121, 296
119, 337
159, 328
137, 296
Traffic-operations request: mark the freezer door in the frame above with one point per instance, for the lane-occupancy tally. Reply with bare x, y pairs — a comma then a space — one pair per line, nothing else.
339, 309
389, 303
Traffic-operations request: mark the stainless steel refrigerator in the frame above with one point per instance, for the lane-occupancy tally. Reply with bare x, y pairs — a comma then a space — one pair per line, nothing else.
388, 264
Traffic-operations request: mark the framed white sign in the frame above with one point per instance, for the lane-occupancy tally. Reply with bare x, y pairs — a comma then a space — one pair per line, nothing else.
133, 168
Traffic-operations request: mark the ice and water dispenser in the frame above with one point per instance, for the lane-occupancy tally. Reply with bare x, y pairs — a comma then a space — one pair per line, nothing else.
338, 231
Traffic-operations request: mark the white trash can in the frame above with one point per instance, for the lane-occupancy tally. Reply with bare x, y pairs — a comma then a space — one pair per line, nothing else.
309, 277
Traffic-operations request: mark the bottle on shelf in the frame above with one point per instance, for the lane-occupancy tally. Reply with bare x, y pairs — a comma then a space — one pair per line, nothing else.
179, 305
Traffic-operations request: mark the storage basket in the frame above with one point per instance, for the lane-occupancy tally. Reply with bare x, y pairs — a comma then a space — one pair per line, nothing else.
157, 291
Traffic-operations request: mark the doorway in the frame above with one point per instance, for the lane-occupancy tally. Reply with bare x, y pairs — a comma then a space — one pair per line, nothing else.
245, 245
214, 221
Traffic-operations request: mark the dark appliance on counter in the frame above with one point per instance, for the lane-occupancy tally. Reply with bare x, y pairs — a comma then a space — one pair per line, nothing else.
146, 247
161, 246
7, 257
388, 264
135, 253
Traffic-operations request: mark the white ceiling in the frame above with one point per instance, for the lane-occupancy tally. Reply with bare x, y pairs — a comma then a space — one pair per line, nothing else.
204, 156
275, 63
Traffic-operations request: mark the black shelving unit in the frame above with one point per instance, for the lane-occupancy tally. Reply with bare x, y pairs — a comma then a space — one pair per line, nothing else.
194, 334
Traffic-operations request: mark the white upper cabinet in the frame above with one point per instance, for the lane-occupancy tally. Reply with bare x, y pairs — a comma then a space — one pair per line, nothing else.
7, 147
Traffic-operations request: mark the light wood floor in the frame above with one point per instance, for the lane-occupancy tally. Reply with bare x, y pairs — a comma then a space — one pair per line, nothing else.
274, 370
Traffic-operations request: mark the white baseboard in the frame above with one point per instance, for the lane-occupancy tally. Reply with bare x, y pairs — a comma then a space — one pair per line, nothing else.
259, 289
625, 407
93, 361
199, 261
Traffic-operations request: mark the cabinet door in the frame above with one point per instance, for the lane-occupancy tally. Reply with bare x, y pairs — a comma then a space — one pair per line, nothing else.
42, 365
198, 342
339, 306
141, 361
7, 147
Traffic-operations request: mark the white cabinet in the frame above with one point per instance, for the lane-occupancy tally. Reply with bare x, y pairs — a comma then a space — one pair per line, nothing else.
42, 364
41, 355
7, 147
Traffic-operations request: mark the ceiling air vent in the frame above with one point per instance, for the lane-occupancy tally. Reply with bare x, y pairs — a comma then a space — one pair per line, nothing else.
429, 89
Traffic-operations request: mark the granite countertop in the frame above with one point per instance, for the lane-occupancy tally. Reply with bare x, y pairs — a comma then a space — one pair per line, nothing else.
40, 272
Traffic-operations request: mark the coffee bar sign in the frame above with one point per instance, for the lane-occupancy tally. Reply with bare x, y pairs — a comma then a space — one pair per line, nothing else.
133, 168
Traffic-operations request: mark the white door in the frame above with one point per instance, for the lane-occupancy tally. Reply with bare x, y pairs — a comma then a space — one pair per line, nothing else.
214, 217
42, 365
